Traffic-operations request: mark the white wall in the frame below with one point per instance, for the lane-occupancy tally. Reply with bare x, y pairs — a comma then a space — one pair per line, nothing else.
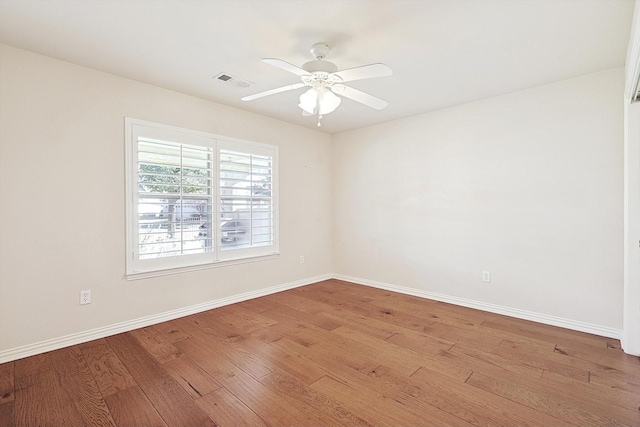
527, 185
62, 200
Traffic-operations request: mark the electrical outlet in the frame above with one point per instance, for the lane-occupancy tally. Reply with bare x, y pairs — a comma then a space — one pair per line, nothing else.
85, 297
486, 276
301, 259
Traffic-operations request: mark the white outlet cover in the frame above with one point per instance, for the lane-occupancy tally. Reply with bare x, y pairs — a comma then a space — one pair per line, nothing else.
85, 297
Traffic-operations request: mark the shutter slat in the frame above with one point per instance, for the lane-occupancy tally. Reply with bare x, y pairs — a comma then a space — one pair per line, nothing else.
180, 175
246, 196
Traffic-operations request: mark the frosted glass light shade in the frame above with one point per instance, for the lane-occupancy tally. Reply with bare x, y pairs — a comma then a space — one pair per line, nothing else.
319, 101
308, 101
328, 103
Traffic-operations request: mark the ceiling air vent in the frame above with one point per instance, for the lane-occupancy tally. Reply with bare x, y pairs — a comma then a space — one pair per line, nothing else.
232, 80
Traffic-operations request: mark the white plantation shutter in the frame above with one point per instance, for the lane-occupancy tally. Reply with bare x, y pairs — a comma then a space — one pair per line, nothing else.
175, 197
246, 204
194, 200
247, 198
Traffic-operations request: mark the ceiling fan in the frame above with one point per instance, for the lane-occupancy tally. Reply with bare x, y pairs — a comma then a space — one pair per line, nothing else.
326, 81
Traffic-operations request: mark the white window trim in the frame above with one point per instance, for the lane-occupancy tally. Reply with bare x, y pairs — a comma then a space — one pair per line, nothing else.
219, 258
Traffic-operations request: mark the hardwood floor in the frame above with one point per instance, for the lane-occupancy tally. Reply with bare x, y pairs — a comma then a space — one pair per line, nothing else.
331, 353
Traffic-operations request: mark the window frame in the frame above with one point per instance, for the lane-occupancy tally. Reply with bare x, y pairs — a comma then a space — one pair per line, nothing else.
137, 268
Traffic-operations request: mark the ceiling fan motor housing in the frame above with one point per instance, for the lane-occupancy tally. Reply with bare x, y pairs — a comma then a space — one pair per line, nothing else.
318, 65
319, 52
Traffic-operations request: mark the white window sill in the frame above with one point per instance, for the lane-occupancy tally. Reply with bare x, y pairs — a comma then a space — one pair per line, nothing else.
177, 270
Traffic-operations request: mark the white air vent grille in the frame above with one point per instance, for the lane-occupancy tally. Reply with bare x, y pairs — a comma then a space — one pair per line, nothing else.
232, 80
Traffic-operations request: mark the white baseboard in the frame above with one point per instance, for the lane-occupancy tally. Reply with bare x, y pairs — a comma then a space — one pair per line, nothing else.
507, 311
85, 336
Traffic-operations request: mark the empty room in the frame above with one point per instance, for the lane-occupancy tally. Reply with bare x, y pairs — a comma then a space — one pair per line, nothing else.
319, 213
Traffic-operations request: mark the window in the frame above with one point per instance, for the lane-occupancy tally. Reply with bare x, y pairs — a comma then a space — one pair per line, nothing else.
196, 200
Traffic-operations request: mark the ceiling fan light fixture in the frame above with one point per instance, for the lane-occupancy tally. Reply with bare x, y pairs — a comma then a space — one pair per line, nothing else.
319, 100
309, 101
328, 102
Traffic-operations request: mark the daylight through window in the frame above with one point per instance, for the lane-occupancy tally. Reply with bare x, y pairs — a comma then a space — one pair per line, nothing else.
196, 199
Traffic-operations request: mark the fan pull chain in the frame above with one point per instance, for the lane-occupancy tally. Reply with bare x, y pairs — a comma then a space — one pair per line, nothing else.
319, 118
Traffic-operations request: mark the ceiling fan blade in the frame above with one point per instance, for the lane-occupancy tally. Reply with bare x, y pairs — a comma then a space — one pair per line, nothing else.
359, 96
364, 72
284, 65
273, 91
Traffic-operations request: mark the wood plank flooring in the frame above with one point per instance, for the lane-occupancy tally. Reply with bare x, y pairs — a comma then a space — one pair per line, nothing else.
329, 354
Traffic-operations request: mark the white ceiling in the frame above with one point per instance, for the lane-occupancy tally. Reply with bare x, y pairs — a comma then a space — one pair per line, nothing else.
442, 53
